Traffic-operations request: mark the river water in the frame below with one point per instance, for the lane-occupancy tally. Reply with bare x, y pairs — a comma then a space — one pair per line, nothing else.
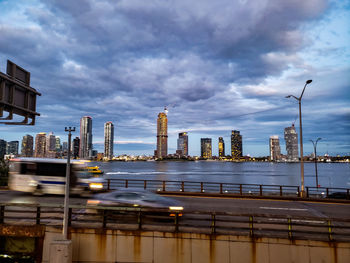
329, 174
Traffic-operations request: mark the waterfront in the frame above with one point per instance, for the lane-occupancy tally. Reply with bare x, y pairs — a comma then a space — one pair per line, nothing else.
329, 174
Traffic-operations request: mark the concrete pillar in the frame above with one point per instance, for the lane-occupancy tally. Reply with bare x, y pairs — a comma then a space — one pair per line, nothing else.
61, 251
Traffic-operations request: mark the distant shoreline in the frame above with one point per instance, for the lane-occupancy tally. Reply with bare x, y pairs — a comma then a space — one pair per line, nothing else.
214, 160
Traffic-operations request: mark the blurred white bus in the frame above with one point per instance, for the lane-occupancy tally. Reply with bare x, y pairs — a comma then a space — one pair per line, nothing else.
48, 176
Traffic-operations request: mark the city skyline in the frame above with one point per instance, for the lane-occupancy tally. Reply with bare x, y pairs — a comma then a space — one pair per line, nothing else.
49, 144
213, 71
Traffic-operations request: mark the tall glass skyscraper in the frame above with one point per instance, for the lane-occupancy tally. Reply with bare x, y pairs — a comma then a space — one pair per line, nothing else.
27, 146
236, 145
85, 150
162, 135
12, 147
65, 148
291, 138
109, 140
221, 147
40, 145
3, 145
182, 144
275, 149
51, 142
206, 148
58, 144
76, 143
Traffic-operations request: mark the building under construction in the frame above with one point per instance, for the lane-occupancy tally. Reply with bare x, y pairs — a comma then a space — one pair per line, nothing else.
162, 136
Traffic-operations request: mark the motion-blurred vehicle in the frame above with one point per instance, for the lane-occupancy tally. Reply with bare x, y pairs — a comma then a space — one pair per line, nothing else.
48, 176
133, 197
339, 195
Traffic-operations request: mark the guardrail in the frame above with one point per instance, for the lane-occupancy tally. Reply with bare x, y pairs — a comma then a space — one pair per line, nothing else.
223, 223
228, 188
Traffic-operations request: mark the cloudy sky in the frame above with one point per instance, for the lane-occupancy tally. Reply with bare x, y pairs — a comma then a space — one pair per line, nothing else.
219, 65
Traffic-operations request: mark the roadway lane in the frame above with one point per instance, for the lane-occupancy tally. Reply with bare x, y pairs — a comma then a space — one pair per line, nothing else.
208, 204
268, 207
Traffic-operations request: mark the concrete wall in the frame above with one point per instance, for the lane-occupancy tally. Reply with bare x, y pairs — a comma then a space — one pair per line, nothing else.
93, 245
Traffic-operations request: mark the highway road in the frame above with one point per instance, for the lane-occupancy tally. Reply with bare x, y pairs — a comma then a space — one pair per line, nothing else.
209, 204
309, 220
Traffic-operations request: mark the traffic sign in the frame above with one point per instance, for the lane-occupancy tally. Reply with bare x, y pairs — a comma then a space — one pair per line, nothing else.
16, 95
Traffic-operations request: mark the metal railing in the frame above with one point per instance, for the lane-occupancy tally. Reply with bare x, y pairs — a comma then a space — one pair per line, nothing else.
218, 223
227, 188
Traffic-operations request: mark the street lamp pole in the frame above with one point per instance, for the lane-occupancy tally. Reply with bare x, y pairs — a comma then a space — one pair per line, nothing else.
302, 192
66, 194
315, 146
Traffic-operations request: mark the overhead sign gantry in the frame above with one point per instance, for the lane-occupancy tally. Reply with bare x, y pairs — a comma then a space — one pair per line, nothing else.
16, 95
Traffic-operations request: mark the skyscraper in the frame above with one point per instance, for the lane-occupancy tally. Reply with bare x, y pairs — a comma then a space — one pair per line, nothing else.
85, 150
50, 142
40, 145
221, 147
291, 138
182, 144
162, 135
76, 143
236, 145
206, 148
109, 140
65, 148
275, 149
12, 147
50, 145
58, 144
27, 146
3, 145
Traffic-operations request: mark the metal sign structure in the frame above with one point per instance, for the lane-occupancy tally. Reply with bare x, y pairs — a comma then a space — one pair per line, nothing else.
16, 95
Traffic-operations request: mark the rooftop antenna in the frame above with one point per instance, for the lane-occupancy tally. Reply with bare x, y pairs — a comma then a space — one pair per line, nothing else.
296, 117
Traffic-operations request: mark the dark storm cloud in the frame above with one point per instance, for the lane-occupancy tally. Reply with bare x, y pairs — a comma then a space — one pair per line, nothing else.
233, 31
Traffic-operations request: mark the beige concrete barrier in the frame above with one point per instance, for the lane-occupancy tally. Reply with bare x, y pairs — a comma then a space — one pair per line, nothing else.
94, 245
61, 251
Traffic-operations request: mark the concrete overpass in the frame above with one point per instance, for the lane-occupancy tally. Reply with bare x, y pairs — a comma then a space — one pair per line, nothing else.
212, 230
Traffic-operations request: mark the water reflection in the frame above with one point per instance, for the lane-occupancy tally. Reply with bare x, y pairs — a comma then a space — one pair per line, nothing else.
329, 174
162, 169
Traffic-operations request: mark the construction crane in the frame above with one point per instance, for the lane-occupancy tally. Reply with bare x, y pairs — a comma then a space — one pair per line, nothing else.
296, 117
167, 107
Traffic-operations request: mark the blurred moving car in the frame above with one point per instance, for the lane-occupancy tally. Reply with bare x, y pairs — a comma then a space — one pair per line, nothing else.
339, 195
135, 198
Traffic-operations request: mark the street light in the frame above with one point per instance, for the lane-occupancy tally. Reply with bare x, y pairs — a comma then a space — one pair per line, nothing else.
315, 145
66, 193
302, 192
